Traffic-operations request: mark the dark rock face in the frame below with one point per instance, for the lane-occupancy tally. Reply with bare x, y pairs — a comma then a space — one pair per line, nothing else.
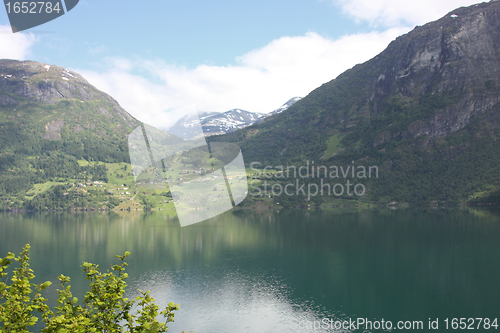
7, 100
41, 82
454, 55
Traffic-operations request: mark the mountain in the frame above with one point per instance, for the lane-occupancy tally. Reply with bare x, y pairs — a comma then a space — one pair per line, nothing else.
32, 82
228, 121
50, 118
425, 111
214, 123
284, 107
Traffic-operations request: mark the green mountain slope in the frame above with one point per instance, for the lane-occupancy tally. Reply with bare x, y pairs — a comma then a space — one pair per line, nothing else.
425, 111
49, 119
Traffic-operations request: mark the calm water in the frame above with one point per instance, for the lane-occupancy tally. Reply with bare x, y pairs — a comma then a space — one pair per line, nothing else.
281, 272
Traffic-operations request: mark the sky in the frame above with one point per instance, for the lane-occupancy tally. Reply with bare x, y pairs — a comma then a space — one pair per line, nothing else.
156, 57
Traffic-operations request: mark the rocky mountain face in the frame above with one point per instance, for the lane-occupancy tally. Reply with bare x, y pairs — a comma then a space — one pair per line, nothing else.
426, 111
46, 84
458, 55
216, 123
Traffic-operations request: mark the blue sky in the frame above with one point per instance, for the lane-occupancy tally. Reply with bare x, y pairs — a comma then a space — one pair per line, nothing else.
182, 32
155, 57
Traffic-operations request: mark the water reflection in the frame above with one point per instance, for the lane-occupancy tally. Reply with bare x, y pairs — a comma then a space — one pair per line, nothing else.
234, 302
248, 272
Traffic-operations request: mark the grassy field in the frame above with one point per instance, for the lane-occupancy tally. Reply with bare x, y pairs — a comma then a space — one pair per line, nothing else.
120, 174
334, 146
83, 162
41, 188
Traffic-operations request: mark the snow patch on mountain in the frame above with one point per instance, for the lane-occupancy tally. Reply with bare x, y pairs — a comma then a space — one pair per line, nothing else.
222, 122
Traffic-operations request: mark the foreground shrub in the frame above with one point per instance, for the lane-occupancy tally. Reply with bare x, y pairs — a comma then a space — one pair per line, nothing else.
104, 308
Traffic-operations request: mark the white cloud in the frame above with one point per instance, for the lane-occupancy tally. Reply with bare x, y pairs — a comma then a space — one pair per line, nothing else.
15, 46
261, 81
400, 12
142, 98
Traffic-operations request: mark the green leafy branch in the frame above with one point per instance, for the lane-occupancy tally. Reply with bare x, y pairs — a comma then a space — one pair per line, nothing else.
104, 309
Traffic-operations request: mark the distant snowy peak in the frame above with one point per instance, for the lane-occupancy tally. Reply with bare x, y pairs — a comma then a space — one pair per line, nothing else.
223, 122
228, 121
214, 123
285, 106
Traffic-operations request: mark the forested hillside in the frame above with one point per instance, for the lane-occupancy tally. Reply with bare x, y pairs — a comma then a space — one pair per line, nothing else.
50, 119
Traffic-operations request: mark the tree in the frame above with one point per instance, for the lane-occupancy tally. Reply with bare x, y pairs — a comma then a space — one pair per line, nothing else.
18, 305
104, 308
